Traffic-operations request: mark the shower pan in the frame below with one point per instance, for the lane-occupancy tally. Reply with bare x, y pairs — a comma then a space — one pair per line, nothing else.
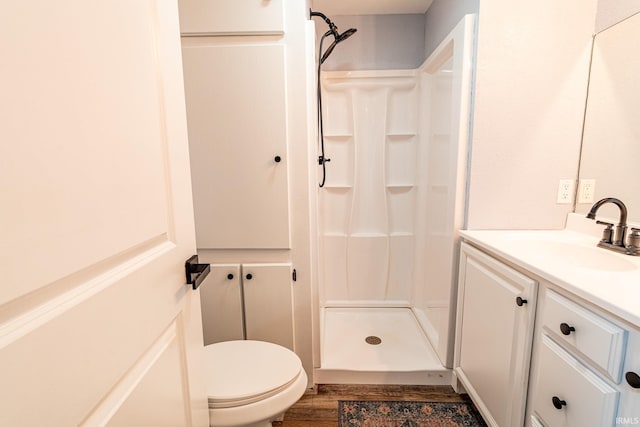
388, 216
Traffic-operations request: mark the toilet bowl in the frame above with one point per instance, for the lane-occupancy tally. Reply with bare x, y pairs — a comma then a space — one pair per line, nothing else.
251, 383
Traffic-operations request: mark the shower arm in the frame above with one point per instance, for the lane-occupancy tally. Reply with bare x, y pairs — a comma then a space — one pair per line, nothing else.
332, 27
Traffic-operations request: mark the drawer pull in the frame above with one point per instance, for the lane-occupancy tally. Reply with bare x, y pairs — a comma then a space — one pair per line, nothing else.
520, 302
249, 276
633, 379
558, 403
230, 276
566, 329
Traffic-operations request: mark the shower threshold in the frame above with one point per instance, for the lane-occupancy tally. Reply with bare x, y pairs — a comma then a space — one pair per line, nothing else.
377, 346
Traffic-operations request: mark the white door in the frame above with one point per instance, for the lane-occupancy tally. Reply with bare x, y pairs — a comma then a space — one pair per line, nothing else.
97, 326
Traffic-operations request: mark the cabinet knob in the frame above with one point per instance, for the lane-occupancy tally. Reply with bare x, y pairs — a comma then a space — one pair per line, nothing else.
230, 276
277, 159
249, 276
558, 403
520, 302
566, 329
633, 379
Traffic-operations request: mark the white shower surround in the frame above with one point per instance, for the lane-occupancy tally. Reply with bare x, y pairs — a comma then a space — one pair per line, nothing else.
365, 207
394, 194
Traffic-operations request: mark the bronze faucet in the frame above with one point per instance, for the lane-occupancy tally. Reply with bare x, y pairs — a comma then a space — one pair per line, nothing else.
614, 237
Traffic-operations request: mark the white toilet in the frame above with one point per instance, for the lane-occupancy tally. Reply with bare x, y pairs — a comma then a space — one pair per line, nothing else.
251, 383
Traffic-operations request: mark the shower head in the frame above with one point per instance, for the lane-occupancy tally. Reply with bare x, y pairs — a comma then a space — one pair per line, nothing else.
333, 30
337, 39
346, 35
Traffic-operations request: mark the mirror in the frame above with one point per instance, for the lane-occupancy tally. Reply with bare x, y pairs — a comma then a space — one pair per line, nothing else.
611, 138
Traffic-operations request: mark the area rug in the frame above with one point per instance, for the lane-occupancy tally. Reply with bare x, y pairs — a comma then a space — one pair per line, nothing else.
370, 413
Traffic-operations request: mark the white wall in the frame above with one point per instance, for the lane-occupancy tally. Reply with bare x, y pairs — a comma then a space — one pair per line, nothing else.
383, 42
441, 17
611, 12
531, 81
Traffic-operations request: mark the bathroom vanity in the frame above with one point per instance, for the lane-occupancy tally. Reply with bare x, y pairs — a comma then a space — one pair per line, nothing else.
548, 328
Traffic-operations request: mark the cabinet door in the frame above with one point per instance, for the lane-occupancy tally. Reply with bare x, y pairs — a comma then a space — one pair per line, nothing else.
268, 301
221, 301
566, 393
494, 335
236, 114
224, 17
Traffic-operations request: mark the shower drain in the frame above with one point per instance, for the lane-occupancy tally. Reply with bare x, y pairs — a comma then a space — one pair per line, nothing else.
373, 340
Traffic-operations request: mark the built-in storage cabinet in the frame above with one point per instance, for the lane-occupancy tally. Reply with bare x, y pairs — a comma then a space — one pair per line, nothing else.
494, 332
236, 111
231, 17
246, 74
248, 301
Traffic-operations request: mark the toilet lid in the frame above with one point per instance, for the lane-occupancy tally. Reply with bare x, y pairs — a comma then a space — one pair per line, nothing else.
243, 372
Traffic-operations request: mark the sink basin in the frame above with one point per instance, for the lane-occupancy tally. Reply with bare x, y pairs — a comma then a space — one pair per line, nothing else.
579, 256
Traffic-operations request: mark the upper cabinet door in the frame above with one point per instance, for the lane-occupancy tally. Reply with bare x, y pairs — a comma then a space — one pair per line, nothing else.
226, 17
237, 118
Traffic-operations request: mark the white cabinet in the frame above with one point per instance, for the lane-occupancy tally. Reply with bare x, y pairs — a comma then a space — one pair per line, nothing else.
246, 75
494, 332
236, 91
579, 362
237, 119
582, 370
248, 301
226, 17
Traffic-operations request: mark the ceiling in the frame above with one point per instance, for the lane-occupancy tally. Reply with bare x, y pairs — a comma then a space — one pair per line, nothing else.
370, 7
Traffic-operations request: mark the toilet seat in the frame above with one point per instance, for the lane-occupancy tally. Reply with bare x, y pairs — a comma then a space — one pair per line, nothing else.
244, 372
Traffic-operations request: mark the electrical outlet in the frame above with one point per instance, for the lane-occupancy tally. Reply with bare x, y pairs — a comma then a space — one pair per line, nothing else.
565, 191
586, 190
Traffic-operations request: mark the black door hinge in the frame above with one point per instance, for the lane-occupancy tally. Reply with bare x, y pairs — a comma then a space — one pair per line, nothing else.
294, 275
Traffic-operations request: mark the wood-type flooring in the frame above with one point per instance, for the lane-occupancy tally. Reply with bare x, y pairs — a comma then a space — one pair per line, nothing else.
320, 409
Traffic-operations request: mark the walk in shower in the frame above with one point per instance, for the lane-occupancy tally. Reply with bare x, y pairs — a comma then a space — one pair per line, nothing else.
388, 215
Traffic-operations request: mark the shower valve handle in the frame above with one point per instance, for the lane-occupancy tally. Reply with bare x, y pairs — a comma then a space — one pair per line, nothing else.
322, 160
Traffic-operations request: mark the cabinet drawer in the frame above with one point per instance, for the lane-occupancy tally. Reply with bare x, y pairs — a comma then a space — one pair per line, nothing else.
599, 340
588, 400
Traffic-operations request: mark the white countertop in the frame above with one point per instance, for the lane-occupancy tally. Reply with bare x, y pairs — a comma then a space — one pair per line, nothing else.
570, 259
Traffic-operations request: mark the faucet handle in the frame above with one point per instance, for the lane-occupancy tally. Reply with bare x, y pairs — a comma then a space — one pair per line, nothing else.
607, 233
633, 247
